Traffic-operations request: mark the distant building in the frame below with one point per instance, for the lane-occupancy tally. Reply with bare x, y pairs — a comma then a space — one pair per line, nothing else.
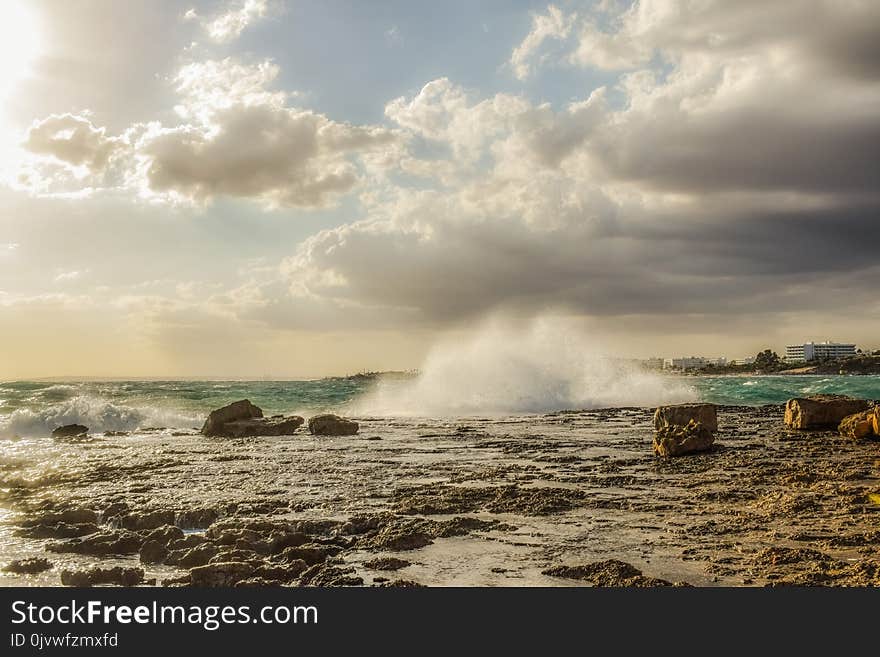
653, 363
795, 353
692, 362
748, 360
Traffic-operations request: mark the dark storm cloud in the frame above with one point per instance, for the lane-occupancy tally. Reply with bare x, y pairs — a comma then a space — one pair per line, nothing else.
747, 150
742, 176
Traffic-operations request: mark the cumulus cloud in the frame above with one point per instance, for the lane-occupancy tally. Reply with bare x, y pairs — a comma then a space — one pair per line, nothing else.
239, 138
246, 142
229, 25
729, 173
442, 111
832, 34
285, 157
72, 139
726, 96
552, 25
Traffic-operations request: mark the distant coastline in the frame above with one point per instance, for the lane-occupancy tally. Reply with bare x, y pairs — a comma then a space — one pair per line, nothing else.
865, 365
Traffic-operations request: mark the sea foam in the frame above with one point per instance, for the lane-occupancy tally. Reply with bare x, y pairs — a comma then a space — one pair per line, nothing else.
95, 413
548, 365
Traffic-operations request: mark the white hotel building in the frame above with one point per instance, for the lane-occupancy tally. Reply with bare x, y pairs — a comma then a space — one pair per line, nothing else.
818, 351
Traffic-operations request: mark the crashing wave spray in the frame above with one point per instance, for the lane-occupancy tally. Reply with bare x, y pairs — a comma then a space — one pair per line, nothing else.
95, 413
548, 366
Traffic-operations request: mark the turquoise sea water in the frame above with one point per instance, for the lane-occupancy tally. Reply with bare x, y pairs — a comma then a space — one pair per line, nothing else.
33, 408
758, 390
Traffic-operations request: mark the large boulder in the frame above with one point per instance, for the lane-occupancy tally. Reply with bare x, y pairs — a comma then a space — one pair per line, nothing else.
70, 431
821, 411
877, 420
859, 425
332, 425
673, 440
236, 411
679, 415
242, 419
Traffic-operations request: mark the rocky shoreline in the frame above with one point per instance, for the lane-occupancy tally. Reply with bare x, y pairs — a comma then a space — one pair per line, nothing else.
566, 499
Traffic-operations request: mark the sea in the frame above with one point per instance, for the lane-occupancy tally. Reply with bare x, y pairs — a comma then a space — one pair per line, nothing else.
35, 408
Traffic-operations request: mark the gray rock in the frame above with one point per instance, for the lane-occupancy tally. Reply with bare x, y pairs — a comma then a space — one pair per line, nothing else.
242, 419
273, 426
70, 431
332, 425
240, 410
28, 566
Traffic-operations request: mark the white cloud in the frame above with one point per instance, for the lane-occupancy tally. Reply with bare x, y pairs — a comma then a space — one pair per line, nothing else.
230, 24
552, 25
245, 142
442, 111
72, 139
239, 139
69, 276
283, 157
732, 175
728, 170
208, 86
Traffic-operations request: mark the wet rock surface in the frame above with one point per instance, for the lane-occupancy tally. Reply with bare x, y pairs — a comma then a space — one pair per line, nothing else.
28, 566
567, 499
386, 563
70, 431
272, 426
607, 573
332, 425
243, 419
117, 576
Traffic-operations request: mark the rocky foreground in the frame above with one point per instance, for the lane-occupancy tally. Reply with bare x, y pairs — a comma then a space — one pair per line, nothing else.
575, 498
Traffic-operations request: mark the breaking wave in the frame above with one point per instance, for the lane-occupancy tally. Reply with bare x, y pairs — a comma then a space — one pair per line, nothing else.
548, 366
97, 414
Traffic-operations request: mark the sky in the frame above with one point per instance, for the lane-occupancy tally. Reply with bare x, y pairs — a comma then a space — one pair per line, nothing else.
304, 188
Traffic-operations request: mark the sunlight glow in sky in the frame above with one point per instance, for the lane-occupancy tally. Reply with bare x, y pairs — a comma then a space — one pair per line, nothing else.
20, 43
